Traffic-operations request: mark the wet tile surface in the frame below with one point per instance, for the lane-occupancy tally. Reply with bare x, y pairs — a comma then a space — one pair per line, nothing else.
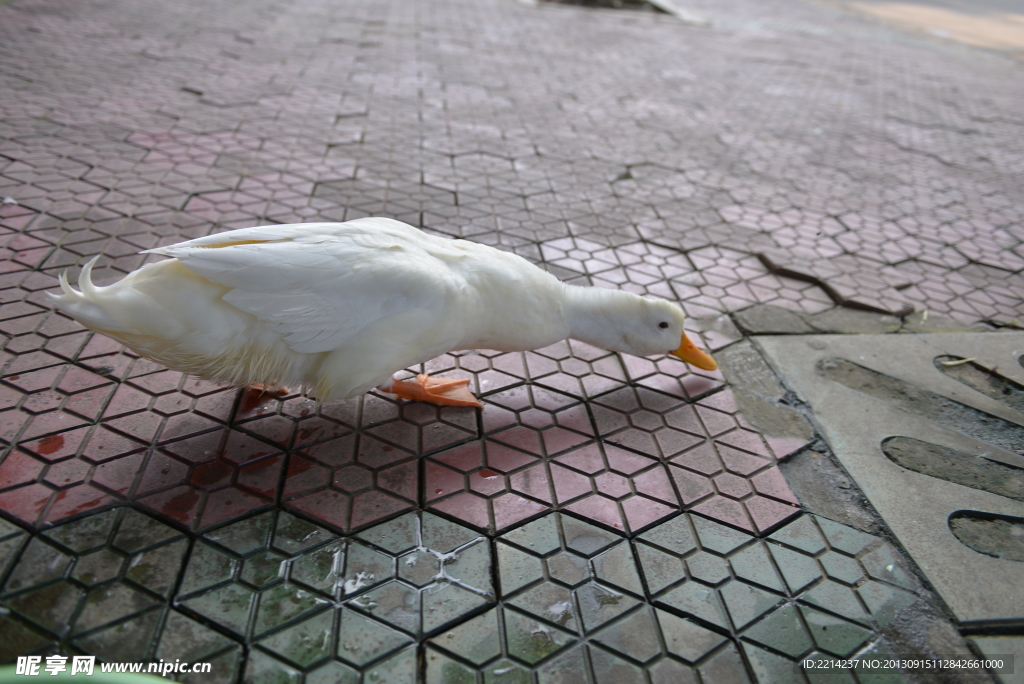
556, 598
603, 517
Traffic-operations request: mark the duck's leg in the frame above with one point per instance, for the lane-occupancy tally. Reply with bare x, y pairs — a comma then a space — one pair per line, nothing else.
443, 392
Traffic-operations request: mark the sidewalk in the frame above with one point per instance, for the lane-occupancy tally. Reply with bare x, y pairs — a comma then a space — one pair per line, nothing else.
837, 206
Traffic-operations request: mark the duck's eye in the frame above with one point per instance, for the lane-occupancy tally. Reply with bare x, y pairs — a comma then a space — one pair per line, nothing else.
663, 325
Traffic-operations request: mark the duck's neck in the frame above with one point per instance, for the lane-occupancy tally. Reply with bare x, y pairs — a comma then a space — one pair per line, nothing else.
597, 316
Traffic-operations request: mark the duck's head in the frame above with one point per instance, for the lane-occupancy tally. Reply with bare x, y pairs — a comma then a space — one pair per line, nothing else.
625, 322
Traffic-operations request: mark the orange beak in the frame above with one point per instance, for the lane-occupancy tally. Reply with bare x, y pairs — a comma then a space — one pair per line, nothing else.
689, 353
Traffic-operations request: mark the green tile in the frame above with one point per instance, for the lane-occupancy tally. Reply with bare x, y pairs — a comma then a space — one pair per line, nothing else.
668, 671
362, 640
320, 568
837, 598
185, 639
263, 669
599, 604
516, 568
783, 631
842, 568
635, 636
747, 603
832, 634
477, 640
50, 607
769, 667
530, 640
843, 538
445, 602
246, 536
708, 568
39, 563
551, 602
394, 536
660, 569
797, 569
265, 568
567, 668
333, 672
698, 600
306, 643
685, 638
393, 602
718, 538
674, 536
568, 568
111, 602
97, 567
398, 668
506, 672
584, 538
10, 530
365, 567
443, 670
472, 566
138, 531
157, 568
801, 534
754, 564
611, 669
444, 536
9, 548
86, 534
283, 603
884, 601
881, 564
725, 666
418, 567
539, 537
294, 535
207, 566
19, 640
228, 606
617, 567
123, 642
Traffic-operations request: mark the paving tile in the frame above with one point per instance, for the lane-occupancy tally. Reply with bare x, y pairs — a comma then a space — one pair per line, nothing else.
330, 541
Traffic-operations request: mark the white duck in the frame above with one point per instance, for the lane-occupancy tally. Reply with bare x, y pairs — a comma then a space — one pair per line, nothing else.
338, 308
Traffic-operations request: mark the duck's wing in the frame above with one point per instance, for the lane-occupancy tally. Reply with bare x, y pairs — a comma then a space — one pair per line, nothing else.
321, 284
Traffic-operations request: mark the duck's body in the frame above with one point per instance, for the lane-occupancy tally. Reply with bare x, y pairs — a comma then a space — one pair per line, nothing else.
338, 308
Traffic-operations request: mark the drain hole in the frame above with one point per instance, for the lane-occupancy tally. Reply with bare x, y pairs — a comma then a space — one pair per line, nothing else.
953, 465
982, 379
1000, 536
912, 399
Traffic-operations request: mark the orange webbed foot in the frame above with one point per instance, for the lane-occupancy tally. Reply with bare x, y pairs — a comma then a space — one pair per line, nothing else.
443, 392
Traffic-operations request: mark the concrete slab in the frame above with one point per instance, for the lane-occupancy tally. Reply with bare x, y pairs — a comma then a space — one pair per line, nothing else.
866, 389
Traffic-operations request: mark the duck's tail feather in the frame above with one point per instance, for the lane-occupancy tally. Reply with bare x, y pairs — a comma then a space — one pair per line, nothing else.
88, 307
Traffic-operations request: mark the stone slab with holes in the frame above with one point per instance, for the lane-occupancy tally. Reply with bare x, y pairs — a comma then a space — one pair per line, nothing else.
929, 426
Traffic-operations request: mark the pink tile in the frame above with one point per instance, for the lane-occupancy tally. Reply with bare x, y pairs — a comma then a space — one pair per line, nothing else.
512, 508
77, 500
466, 507
599, 509
19, 468
374, 505
641, 512
726, 511
766, 513
327, 506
